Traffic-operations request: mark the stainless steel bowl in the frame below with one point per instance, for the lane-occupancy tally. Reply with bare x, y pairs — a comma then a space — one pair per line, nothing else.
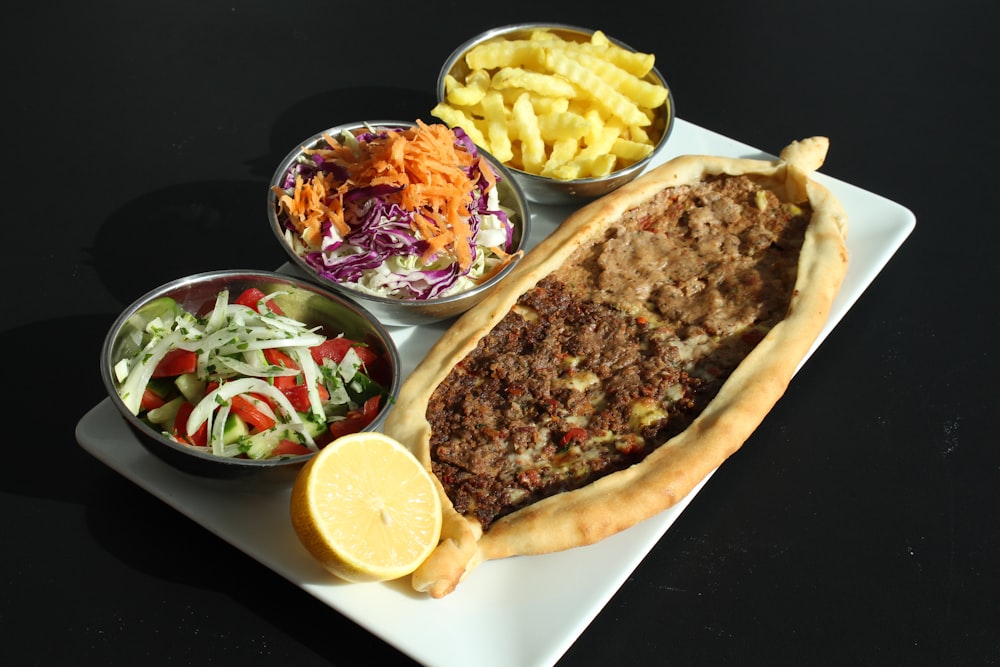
400, 312
545, 190
304, 301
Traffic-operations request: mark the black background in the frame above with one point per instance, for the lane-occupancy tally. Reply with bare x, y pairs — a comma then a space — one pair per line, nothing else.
857, 526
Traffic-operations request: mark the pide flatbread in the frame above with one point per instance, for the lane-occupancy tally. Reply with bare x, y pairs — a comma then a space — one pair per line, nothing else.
628, 355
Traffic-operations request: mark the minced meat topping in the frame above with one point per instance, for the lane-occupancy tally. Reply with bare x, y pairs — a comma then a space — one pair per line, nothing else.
617, 351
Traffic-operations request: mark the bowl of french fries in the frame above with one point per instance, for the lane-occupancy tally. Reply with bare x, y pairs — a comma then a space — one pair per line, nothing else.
570, 111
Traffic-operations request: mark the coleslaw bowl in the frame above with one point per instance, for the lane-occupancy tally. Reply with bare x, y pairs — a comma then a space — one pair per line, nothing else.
400, 308
548, 190
298, 299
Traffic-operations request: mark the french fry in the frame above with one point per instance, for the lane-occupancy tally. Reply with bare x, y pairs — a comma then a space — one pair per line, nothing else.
541, 103
505, 53
469, 92
596, 123
635, 63
525, 121
563, 150
629, 150
639, 135
602, 94
641, 93
601, 143
582, 166
453, 118
547, 85
497, 131
562, 125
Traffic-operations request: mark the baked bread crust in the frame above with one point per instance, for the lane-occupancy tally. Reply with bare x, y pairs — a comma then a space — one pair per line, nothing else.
622, 499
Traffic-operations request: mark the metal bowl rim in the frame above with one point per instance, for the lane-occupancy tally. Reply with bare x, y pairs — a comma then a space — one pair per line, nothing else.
505, 172
499, 31
251, 274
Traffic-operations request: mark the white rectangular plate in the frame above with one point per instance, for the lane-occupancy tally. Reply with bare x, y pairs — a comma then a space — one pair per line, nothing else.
568, 589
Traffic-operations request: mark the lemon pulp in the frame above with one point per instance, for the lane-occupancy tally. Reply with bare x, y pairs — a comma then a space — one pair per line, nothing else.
366, 508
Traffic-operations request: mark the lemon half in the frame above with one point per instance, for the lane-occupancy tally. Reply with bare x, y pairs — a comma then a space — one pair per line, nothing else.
366, 508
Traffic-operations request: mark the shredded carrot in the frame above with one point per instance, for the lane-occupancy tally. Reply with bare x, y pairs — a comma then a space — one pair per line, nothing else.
424, 162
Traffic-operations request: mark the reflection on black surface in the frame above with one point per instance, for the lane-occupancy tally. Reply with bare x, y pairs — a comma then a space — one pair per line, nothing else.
308, 116
155, 542
184, 229
210, 225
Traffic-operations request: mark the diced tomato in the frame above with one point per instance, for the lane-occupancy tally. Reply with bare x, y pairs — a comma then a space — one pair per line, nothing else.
335, 349
250, 413
176, 362
284, 382
251, 296
368, 356
575, 433
265, 399
298, 395
323, 439
370, 408
199, 437
276, 357
356, 420
346, 425
150, 400
181, 418
289, 448
332, 348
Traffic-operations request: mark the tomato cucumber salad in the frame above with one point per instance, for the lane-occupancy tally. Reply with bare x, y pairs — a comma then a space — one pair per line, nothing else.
245, 380
407, 213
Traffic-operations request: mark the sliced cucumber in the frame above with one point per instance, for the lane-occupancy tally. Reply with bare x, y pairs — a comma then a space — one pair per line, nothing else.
162, 387
260, 445
191, 387
165, 415
312, 427
235, 429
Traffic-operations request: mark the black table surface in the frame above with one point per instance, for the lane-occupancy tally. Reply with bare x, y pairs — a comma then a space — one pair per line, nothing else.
858, 525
